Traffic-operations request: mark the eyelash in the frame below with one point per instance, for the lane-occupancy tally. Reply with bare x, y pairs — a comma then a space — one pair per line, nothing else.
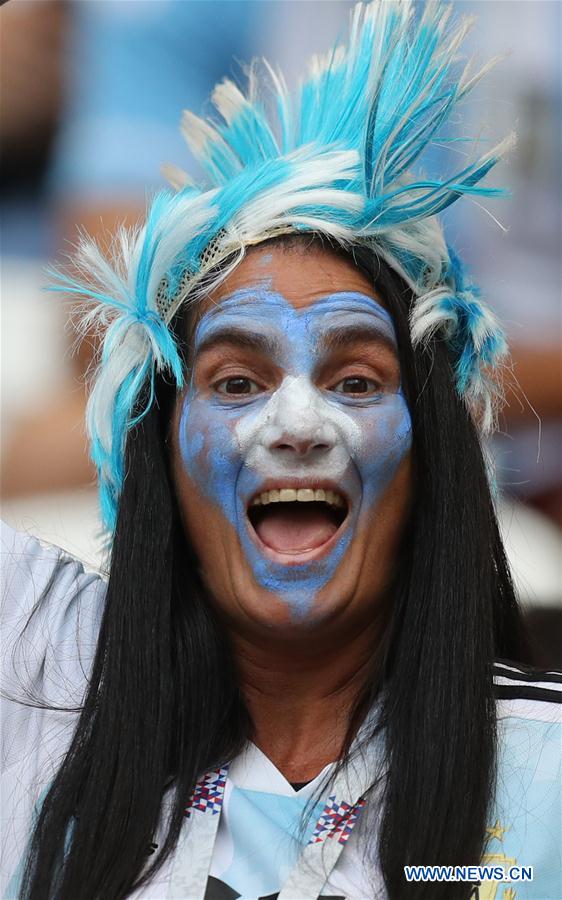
225, 381
376, 387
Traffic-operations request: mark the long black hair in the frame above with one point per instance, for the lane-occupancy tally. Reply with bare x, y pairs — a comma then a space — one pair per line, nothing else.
164, 703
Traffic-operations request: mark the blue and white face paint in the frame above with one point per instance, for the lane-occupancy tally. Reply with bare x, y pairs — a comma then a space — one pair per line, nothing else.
274, 413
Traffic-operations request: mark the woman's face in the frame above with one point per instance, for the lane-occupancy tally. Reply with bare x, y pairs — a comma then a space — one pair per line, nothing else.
291, 443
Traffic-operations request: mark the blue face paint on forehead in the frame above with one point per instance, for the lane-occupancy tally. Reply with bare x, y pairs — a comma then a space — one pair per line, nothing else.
264, 312
231, 450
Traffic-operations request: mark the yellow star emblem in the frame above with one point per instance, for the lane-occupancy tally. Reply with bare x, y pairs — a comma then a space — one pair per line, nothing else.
496, 831
509, 894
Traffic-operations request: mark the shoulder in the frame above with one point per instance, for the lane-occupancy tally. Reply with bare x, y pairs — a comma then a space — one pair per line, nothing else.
524, 692
29, 566
525, 825
529, 728
33, 571
51, 610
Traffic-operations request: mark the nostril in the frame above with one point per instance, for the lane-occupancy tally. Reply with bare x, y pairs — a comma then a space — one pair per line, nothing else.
301, 447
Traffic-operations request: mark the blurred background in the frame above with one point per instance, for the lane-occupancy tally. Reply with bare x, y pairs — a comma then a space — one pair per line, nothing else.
91, 93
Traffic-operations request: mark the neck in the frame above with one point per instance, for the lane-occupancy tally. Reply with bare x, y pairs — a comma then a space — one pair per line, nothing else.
300, 697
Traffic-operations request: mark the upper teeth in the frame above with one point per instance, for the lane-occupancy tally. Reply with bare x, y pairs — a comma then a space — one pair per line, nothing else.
305, 495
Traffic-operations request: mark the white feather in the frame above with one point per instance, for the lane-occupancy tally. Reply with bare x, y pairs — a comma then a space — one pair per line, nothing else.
176, 177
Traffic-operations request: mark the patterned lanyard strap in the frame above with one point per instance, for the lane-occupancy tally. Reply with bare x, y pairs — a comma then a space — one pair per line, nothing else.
197, 839
333, 829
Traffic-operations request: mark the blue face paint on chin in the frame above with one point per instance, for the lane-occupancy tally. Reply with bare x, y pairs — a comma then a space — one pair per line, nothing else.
295, 429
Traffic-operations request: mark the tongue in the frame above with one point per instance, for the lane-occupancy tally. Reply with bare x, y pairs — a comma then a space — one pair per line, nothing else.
295, 528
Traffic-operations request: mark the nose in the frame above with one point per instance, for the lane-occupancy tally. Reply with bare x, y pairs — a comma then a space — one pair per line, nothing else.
299, 425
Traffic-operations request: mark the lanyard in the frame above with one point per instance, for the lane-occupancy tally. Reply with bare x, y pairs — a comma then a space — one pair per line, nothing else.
197, 838
333, 829
344, 800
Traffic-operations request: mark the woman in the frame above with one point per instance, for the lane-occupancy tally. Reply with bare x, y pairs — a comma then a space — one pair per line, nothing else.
288, 686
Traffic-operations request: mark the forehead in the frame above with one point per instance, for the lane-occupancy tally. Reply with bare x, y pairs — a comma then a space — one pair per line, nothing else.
302, 274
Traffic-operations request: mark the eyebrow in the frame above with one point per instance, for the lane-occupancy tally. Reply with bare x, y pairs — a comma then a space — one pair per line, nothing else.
346, 335
246, 340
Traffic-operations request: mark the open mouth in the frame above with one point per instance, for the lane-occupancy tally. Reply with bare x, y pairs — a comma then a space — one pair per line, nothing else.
297, 520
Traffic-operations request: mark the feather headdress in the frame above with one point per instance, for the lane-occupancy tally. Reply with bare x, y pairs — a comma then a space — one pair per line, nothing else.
339, 159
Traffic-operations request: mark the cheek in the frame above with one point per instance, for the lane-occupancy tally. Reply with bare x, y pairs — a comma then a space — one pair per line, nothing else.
386, 439
209, 453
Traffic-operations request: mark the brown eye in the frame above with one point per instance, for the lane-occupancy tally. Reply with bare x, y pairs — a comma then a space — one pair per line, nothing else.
356, 385
236, 387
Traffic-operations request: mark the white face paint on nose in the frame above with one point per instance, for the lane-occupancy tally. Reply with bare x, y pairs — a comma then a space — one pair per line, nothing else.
298, 432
